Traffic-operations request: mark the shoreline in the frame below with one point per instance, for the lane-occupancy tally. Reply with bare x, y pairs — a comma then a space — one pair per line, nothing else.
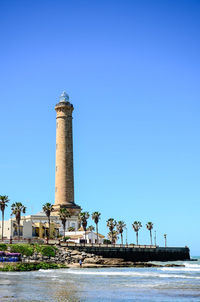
35, 257
35, 266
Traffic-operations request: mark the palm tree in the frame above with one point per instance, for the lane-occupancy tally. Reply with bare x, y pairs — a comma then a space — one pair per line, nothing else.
113, 236
3, 204
149, 226
120, 228
111, 223
64, 214
17, 208
83, 216
71, 229
96, 218
48, 208
90, 228
136, 226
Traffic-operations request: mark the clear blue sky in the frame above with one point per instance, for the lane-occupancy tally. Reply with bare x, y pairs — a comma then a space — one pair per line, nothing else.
131, 69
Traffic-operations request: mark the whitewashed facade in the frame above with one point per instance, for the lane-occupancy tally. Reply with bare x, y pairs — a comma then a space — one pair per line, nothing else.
79, 237
30, 223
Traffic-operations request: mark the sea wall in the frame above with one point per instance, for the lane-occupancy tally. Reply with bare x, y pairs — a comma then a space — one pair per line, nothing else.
137, 253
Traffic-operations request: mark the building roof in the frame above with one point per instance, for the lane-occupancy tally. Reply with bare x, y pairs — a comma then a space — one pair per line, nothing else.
76, 236
82, 234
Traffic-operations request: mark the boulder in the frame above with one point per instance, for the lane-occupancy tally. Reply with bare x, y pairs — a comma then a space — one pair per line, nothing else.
77, 257
75, 252
92, 260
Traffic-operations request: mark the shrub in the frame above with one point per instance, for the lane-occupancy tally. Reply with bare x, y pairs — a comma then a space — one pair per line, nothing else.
48, 251
71, 229
24, 249
37, 248
3, 247
106, 241
21, 267
66, 238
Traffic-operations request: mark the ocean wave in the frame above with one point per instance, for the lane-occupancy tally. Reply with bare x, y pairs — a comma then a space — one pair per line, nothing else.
191, 265
181, 269
131, 274
46, 270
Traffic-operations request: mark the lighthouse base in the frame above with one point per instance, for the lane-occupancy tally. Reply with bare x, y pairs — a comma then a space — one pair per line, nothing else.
73, 209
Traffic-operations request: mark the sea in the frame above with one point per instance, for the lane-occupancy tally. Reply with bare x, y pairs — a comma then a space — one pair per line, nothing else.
167, 284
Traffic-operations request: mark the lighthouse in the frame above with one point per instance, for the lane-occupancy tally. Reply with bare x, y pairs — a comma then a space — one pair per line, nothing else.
64, 170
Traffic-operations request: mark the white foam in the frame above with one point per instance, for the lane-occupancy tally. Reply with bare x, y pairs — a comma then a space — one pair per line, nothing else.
191, 265
181, 269
46, 270
131, 274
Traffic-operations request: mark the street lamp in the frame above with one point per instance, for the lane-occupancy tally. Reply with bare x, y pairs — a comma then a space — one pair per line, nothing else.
126, 235
165, 236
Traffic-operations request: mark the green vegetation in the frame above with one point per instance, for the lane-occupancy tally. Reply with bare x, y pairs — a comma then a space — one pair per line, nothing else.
48, 208
71, 229
17, 209
64, 214
149, 226
66, 238
120, 228
24, 249
96, 218
3, 247
48, 251
3, 204
83, 217
44, 250
29, 249
20, 267
106, 241
111, 224
136, 226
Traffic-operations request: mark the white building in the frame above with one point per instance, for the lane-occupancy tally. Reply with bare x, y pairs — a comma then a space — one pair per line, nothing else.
36, 226
80, 236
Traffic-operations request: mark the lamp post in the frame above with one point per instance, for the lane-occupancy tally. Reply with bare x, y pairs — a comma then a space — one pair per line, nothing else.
165, 236
126, 235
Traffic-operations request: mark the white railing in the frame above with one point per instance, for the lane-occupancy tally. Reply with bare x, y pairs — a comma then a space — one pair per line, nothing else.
101, 245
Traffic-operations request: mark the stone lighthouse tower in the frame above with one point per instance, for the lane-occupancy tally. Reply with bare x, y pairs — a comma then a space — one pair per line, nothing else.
64, 179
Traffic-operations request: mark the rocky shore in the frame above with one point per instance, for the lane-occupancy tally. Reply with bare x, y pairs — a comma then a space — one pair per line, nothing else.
71, 258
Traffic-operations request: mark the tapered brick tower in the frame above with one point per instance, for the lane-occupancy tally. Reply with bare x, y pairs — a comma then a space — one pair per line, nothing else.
64, 180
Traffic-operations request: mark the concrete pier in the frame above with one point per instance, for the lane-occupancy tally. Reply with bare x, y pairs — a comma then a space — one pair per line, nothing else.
135, 253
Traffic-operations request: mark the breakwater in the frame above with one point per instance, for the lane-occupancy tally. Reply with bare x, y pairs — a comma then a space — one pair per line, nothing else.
134, 253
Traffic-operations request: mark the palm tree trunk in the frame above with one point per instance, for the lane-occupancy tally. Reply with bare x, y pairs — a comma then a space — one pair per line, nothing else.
97, 233
48, 234
64, 227
2, 224
64, 232
112, 236
121, 238
137, 238
151, 237
19, 231
85, 236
